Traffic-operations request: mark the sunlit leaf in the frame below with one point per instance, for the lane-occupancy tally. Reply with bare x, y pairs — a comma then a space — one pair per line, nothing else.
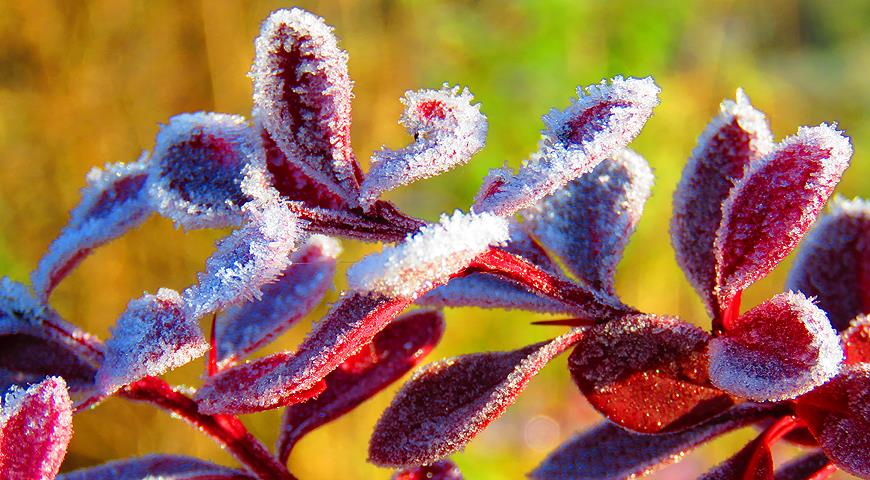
163, 467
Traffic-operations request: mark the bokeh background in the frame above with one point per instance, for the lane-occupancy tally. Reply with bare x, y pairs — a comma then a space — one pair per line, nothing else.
83, 83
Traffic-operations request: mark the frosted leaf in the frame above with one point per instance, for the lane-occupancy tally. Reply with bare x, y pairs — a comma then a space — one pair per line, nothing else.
430, 257
588, 222
647, 373
302, 96
780, 349
384, 223
446, 403
392, 353
440, 470
742, 466
196, 170
856, 340
247, 259
158, 467
154, 335
602, 120
35, 429
834, 260
241, 329
732, 140
112, 203
286, 378
838, 414
448, 130
774, 204
607, 451
804, 467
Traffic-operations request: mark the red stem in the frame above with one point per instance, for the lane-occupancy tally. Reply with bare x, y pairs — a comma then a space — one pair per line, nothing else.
824, 473
226, 429
766, 440
211, 362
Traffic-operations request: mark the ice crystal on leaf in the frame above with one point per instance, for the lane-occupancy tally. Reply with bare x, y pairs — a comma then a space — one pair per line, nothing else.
447, 128
780, 349
35, 429
603, 119
162, 467
440, 470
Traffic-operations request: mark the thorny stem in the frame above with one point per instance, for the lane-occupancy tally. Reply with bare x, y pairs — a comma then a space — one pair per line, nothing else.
770, 436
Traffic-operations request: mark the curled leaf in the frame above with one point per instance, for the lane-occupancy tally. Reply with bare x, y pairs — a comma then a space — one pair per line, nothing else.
588, 222
440, 470
647, 373
35, 429
856, 340
833, 264
734, 139
448, 130
599, 123
164, 467
302, 97
113, 202
780, 349
446, 403
774, 204
392, 353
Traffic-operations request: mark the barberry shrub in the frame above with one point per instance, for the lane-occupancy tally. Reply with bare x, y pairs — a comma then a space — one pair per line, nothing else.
545, 238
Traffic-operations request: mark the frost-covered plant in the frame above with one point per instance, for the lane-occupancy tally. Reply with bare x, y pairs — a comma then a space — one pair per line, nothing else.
289, 182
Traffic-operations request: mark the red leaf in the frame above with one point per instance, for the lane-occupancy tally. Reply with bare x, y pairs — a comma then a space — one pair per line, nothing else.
35, 429
735, 138
284, 379
833, 264
647, 373
774, 204
608, 451
810, 466
776, 351
856, 340
244, 328
302, 97
588, 222
165, 467
838, 414
112, 203
393, 352
440, 470
752, 462
154, 335
446, 403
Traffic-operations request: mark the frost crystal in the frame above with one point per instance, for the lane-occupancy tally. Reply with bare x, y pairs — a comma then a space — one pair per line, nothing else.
440, 470
241, 329
588, 222
197, 168
601, 121
446, 403
774, 204
833, 262
112, 203
35, 429
154, 335
430, 257
302, 96
157, 467
447, 128
734, 139
776, 351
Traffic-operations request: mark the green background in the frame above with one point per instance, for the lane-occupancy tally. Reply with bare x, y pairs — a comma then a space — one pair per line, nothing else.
86, 83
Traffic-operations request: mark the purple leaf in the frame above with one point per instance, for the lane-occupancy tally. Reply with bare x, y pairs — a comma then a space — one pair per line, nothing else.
856, 340
588, 222
446, 403
602, 120
772, 206
448, 130
806, 467
112, 203
199, 163
244, 328
154, 335
780, 349
285, 378
302, 97
833, 264
608, 451
393, 352
35, 429
734, 139
440, 470
164, 467
647, 373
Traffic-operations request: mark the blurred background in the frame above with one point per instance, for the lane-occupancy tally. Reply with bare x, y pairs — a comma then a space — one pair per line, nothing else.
83, 83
